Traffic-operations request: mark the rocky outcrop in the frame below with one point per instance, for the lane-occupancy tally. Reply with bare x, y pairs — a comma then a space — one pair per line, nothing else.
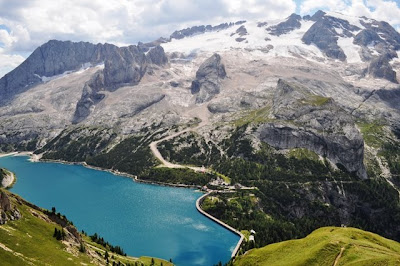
315, 123
52, 58
366, 37
381, 68
7, 212
208, 79
156, 56
242, 31
292, 23
387, 33
323, 34
319, 14
180, 34
92, 93
122, 65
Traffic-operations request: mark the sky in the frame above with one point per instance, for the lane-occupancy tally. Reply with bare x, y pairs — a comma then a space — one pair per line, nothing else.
26, 24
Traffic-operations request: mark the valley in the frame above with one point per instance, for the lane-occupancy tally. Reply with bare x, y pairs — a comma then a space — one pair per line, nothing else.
297, 118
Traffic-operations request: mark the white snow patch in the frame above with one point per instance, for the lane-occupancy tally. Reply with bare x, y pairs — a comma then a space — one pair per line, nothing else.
351, 51
339, 31
83, 68
352, 20
287, 45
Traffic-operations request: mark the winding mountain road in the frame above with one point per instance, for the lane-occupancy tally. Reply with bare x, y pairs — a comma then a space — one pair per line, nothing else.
200, 112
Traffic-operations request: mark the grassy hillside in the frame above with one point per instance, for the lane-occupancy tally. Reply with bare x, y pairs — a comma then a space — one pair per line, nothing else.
30, 240
327, 246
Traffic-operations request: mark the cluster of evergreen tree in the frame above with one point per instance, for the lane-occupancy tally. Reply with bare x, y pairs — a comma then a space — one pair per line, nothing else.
100, 240
59, 234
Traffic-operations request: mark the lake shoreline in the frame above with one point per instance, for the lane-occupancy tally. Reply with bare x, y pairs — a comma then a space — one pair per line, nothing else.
38, 158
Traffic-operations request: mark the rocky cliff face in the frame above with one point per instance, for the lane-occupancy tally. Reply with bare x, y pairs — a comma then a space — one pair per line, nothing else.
381, 68
323, 34
292, 22
7, 213
122, 65
208, 79
316, 123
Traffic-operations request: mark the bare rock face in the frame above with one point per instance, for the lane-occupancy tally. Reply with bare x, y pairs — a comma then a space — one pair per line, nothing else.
91, 95
380, 68
157, 56
5, 203
7, 213
208, 79
366, 37
122, 65
292, 23
323, 34
52, 58
316, 123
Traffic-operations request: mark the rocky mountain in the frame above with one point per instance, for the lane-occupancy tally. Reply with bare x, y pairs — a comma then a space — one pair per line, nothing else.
245, 95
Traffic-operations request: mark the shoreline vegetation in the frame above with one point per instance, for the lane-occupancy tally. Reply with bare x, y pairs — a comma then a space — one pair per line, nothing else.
38, 158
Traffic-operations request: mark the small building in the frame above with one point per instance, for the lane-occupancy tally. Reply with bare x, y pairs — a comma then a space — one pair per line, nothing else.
252, 232
251, 238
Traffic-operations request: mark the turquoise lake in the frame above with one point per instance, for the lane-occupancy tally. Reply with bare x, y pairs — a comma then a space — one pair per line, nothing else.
145, 220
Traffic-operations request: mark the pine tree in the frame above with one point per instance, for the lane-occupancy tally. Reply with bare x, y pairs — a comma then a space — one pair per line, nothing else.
82, 248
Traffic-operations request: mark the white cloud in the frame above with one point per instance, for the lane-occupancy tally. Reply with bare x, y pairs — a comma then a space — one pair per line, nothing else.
9, 62
310, 6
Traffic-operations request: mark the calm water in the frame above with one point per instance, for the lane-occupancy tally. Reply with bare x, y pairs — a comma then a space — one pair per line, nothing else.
143, 219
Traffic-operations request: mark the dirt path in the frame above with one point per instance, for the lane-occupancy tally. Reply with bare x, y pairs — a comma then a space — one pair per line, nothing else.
200, 112
338, 257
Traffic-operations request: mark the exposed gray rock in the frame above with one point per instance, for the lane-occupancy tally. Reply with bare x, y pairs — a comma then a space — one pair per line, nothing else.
91, 95
208, 79
52, 58
157, 56
319, 14
180, 34
292, 23
380, 68
323, 34
366, 37
240, 22
242, 31
123, 65
262, 24
315, 123
240, 39
387, 33
5, 203
7, 212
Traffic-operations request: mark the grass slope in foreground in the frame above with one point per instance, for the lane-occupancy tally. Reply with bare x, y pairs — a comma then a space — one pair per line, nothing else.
327, 246
30, 241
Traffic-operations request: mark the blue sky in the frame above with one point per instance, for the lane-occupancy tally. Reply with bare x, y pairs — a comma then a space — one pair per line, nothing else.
26, 24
